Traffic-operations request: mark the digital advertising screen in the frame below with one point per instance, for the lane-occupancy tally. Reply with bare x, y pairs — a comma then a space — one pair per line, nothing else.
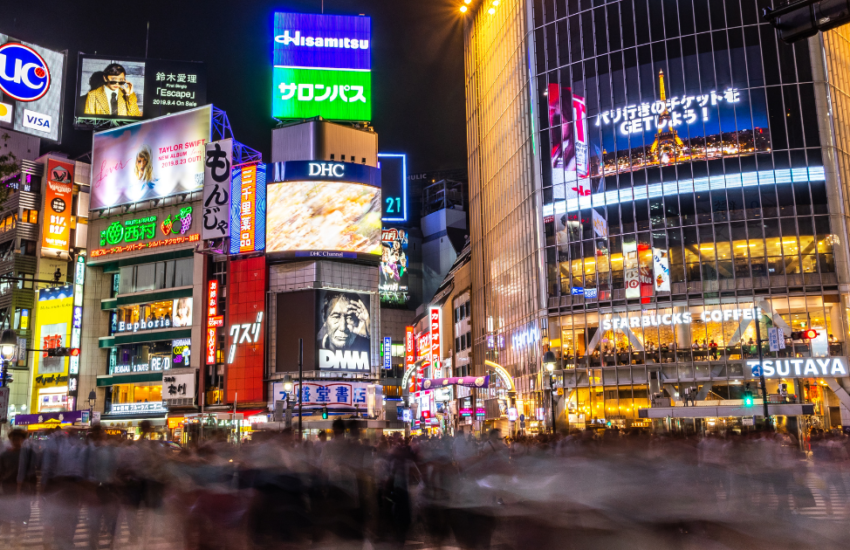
150, 160
248, 209
322, 67
58, 198
110, 88
53, 317
343, 338
325, 209
393, 168
394, 286
31, 88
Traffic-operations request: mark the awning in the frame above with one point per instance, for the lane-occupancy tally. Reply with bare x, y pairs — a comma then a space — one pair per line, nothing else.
726, 411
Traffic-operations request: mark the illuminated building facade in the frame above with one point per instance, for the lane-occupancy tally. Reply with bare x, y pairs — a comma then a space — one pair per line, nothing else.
644, 175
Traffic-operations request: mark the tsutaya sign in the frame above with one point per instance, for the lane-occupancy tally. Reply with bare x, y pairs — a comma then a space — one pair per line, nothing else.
717, 315
635, 119
800, 368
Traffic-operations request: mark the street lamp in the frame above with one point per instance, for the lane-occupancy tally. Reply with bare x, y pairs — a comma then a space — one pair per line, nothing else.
8, 346
287, 383
549, 361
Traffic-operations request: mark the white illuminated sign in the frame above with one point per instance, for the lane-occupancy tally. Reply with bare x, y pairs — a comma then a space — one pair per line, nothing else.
800, 368
635, 119
525, 337
136, 408
653, 320
250, 334
327, 169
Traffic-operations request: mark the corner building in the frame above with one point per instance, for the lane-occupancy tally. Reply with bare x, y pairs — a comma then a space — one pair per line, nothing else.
647, 178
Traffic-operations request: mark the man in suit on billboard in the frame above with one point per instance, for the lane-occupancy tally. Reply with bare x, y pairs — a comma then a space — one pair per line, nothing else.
116, 97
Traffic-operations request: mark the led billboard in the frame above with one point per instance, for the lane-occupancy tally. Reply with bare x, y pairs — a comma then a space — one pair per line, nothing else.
245, 339
31, 80
322, 67
394, 286
393, 168
343, 341
325, 209
53, 317
150, 160
131, 89
58, 194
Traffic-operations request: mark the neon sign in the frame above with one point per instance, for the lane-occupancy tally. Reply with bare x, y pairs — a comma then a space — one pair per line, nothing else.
250, 335
142, 246
145, 228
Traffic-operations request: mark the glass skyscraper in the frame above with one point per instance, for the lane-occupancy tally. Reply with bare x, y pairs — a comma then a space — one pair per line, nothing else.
689, 179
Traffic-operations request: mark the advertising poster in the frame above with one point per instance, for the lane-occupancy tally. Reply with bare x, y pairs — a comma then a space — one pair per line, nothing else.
181, 312
150, 160
133, 89
248, 209
436, 350
333, 395
217, 174
169, 226
322, 67
569, 157
53, 318
393, 285
600, 224
31, 88
343, 340
245, 339
324, 216
58, 198
630, 269
661, 269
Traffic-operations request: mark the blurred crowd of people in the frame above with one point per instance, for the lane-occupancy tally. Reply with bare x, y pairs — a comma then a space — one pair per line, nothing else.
584, 489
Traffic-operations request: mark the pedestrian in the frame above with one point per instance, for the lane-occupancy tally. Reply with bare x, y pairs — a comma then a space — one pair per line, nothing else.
12, 513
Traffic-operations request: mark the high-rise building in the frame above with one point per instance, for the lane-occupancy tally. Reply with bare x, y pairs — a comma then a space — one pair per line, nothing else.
647, 178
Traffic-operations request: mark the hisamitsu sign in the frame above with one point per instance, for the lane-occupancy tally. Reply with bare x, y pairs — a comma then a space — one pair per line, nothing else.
812, 367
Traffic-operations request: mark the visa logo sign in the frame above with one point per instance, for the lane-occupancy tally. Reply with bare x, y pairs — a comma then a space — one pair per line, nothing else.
37, 121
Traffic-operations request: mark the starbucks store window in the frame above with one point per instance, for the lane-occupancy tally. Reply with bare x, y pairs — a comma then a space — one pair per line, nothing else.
685, 332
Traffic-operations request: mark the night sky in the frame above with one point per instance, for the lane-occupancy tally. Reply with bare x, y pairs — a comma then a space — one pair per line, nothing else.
417, 62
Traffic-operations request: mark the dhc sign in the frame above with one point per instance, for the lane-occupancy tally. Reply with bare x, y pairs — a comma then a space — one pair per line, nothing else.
800, 368
327, 169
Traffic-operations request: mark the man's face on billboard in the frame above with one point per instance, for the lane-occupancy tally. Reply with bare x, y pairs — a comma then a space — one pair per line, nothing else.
337, 323
114, 82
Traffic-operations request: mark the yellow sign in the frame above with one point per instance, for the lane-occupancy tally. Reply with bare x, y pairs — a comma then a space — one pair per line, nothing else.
560, 391
53, 316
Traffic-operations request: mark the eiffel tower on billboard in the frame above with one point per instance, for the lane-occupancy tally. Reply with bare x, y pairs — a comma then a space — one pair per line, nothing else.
667, 146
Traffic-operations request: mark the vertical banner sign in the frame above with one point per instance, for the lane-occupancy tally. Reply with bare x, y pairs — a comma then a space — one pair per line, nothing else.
582, 153
77, 323
388, 352
56, 232
435, 342
217, 164
630, 268
409, 351
600, 224
248, 209
212, 313
773, 338
661, 269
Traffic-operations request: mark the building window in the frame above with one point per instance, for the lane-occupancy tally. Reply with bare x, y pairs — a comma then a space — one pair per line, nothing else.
155, 276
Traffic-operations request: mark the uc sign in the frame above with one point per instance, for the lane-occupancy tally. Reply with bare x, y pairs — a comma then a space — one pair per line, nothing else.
327, 169
24, 75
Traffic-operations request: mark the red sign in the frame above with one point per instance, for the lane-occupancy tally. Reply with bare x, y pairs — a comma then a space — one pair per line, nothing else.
409, 348
57, 208
211, 346
245, 337
212, 303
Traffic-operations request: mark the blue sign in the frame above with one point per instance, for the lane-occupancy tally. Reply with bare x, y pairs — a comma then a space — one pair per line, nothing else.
307, 40
24, 75
388, 349
576, 291
590, 293
318, 170
248, 209
393, 186
757, 370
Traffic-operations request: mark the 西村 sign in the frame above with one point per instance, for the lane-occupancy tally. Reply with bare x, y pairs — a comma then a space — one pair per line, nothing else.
813, 367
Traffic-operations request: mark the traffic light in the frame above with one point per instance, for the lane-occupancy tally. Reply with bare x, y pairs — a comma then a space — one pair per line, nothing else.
802, 19
809, 334
324, 413
748, 397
